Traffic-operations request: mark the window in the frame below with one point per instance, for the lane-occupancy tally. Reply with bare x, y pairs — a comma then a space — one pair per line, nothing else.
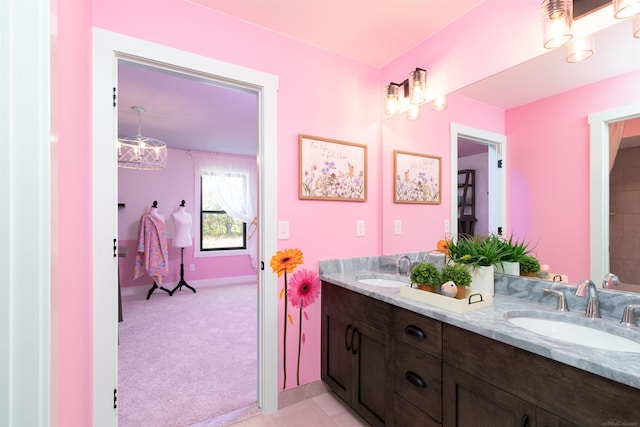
219, 231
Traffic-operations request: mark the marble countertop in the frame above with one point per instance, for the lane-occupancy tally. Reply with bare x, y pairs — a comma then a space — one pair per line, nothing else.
514, 293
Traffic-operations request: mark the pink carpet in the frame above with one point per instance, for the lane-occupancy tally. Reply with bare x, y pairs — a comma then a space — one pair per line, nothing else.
188, 358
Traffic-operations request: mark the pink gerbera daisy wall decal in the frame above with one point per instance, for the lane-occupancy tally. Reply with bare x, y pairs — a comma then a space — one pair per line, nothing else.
304, 289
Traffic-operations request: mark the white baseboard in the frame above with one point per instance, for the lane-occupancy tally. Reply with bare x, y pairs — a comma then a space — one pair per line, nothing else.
204, 283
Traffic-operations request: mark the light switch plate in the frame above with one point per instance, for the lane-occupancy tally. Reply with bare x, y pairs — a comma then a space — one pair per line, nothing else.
283, 230
360, 228
447, 226
397, 227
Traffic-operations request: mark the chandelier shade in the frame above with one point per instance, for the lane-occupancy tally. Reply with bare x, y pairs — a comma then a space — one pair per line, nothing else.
623, 9
141, 152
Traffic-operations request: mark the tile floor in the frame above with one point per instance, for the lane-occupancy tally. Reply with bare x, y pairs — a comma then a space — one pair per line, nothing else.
324, 410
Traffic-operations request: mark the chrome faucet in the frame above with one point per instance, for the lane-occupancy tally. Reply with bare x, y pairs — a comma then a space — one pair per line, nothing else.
408, 270
587, 288
629, 316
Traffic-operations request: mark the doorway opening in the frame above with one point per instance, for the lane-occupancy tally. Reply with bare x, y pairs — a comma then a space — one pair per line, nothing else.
107, 48
599, 181
173, 347
485, 213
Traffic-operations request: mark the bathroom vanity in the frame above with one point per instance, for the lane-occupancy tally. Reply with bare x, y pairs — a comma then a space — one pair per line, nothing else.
398, 362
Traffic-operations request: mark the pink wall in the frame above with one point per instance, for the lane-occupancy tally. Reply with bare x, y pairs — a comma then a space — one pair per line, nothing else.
479, 163
631, 128
72, 297
423, 225
548, 160
137, 190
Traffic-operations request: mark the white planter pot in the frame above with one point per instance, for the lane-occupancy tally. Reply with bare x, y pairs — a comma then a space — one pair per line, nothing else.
509, 267
482, 279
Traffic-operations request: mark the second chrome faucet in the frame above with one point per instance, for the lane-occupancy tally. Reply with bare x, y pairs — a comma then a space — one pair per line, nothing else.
588, 289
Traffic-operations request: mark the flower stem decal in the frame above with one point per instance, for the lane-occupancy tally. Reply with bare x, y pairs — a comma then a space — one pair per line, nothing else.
305, 288
284, 262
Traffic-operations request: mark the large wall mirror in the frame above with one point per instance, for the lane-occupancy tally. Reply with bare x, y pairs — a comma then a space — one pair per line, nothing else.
553, 208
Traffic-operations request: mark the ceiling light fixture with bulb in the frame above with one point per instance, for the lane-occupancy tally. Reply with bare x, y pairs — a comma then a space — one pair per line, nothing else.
557, 23
141, 152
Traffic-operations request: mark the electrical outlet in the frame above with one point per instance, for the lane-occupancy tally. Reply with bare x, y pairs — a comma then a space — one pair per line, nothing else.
283, 230
360, 228
397, 227
447, 226
192, 267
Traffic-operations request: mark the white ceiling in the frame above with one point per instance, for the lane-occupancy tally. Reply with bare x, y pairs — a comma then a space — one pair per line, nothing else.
190, 113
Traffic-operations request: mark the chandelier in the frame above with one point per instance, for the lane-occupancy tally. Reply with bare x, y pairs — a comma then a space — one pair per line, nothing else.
141, 152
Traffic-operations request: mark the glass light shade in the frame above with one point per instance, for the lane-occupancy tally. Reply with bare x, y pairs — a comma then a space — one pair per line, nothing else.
636, 26
440, 103
392, 103
418, 86
414, 112
142, 153
580, 49
556, 22
623, 9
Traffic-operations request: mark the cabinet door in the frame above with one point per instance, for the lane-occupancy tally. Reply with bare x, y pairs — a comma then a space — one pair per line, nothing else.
469, 401
336, 359
372, 394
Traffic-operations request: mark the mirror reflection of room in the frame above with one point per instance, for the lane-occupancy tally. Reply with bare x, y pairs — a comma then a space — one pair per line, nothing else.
624, 199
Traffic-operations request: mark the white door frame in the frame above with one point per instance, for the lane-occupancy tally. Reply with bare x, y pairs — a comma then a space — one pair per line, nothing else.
107, 48
28, 213
599, 185
497, 182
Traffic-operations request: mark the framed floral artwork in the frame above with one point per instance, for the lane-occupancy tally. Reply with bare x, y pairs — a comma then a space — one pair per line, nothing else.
332, 170
417, 178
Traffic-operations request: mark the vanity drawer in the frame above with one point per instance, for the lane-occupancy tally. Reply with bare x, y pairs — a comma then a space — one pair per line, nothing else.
417, 377
419, 331
406, 414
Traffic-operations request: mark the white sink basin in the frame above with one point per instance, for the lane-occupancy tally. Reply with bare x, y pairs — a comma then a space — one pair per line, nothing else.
382, 281
576, 334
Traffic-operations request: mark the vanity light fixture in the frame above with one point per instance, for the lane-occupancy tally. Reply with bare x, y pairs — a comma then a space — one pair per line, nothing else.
579, 49
141, 152
557, 19
411, 92
623, 9
439, 103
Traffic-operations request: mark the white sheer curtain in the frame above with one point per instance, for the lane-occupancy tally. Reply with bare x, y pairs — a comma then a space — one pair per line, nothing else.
616, 130
238, 197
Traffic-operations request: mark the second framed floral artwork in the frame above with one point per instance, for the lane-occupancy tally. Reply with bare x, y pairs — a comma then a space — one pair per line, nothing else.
332, 170
416, 178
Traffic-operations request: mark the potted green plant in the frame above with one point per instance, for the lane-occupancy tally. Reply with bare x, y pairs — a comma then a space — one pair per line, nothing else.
480, 254
529, 266
514, 251
426, 276
458, 274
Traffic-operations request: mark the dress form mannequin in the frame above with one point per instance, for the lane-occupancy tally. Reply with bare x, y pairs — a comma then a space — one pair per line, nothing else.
182, 239
182, 220
154, 211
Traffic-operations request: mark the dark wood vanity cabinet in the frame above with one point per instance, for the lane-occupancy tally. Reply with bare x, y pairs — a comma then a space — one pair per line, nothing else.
357, 351
488, 380
398, 368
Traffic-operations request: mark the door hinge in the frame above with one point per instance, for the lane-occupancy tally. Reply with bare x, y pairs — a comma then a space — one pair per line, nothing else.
115, 248
262, 265
115, 398
114, 97
500, 164
499, 231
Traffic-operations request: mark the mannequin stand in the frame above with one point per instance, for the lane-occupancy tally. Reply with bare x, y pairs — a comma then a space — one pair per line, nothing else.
181, 283
154, 287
